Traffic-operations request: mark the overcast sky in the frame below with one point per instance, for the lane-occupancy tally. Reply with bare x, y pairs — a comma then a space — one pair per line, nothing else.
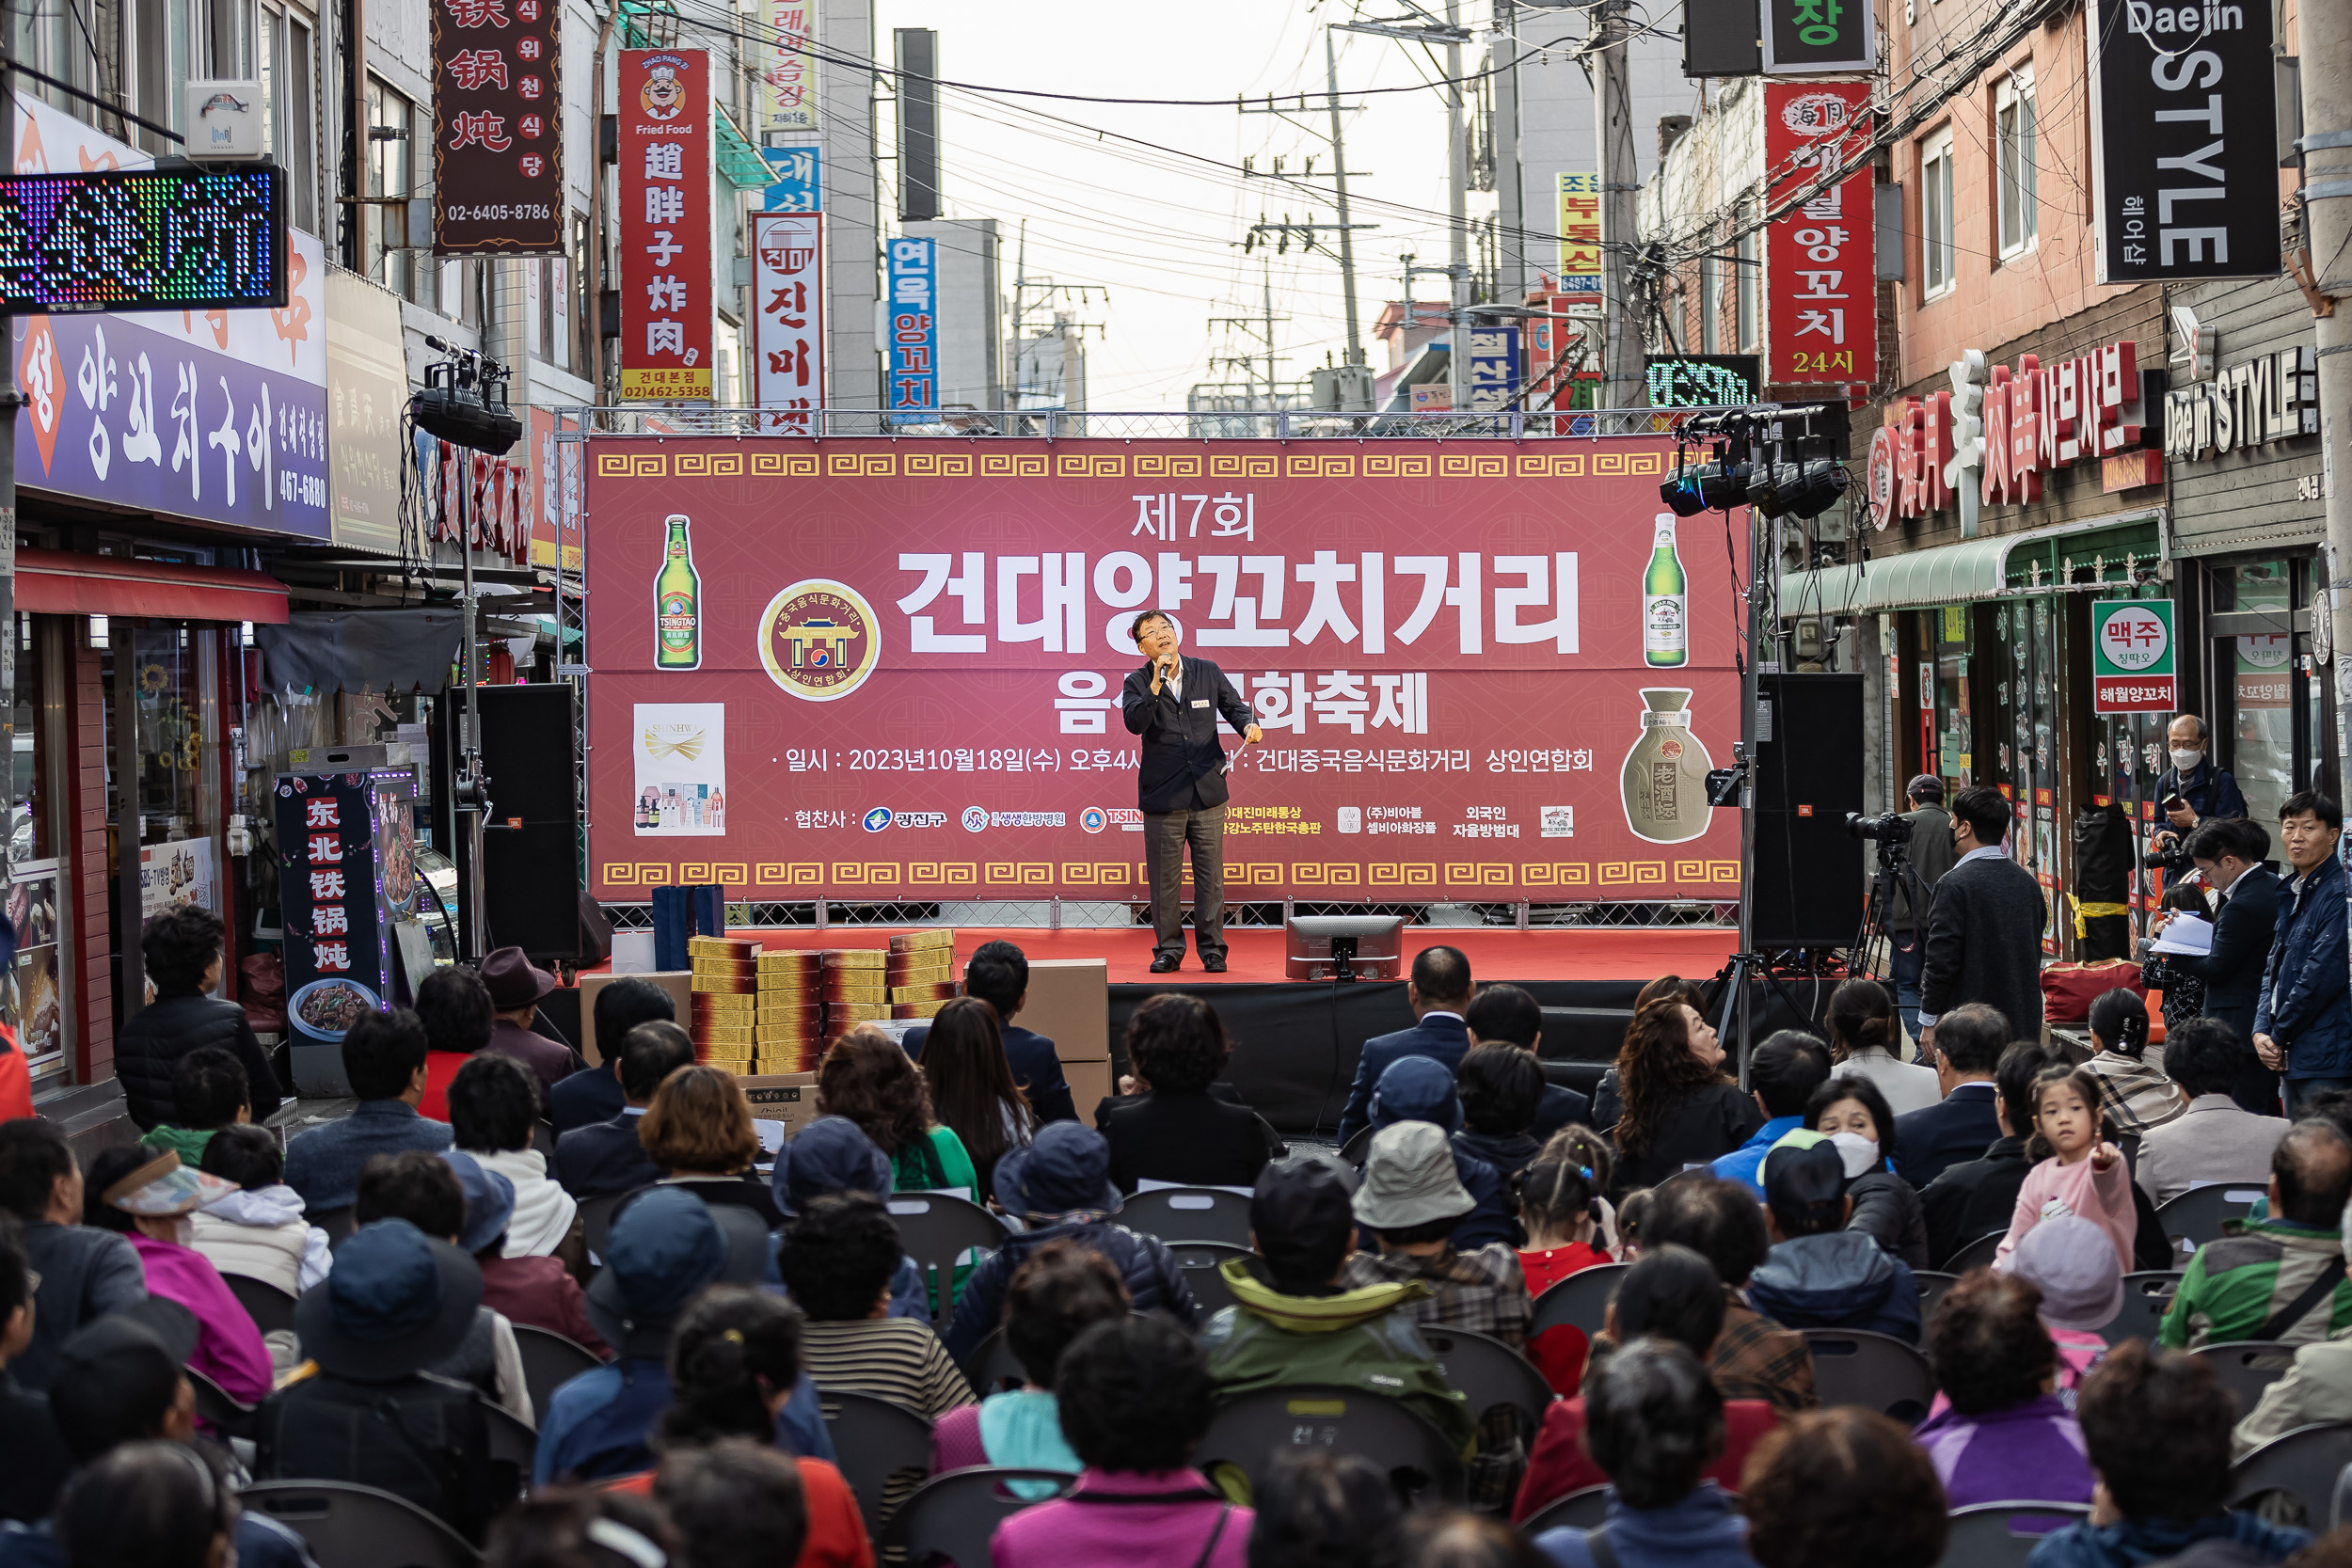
1153, 237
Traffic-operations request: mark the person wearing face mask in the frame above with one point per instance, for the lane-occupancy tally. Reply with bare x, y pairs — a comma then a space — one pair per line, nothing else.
1984, 928
150, 1197
2193, 790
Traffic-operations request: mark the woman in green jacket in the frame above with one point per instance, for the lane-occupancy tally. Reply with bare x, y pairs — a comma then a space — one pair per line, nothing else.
868, 1077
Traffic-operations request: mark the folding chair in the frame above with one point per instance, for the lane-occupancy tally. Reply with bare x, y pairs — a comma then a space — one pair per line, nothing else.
2192, 1218
1932, 1284
2246, 1367
1976, 1254
270, 1307
874, 1442
1354, 1152
2306, 1464
2004, 1534
1489, 1373
2340, 1509
336, 1223
1581, 1509
1189, 1214
1246, 1431
214, 1405
2147, 1297
350, 1526
991, 1364
550, 1361
953, 1515
1200, 1261
1875, 1370
596, 1217
511, 1438
1579, 1301
936, 1230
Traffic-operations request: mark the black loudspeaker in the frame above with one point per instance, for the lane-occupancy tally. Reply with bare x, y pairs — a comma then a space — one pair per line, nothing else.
1808, 882
531, 843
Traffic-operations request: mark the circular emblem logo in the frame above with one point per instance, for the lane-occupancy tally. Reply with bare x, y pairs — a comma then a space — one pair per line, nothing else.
1886, 449
1816, 113
1093, 820
819, 640
877, 819
1670, 749
663, 96
973, 820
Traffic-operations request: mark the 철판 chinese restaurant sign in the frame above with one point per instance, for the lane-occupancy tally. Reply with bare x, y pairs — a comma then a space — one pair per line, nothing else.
1821, 275
665, 150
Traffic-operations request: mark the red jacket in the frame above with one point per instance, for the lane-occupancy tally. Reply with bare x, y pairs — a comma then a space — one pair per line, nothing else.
16, 1079
836, 1530
542, 1293
1559, 1464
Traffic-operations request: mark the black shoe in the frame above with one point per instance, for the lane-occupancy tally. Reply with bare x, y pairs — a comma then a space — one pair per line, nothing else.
1163, 964
1214, 963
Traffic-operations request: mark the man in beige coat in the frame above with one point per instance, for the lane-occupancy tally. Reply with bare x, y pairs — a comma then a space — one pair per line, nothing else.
2214, 1140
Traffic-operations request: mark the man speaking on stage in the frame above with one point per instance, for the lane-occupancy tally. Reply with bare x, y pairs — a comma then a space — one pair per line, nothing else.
1174, 704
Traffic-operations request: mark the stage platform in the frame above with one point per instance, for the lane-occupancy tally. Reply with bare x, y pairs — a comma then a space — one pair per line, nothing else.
1296, 1042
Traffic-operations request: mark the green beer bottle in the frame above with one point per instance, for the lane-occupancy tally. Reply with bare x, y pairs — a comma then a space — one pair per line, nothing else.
677, 605
1665, 631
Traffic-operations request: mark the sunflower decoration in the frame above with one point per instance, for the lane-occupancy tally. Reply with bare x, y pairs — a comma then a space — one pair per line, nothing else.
153, 679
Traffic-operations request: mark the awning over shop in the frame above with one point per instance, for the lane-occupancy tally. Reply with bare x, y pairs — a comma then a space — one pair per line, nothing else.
2036, 560
62, 582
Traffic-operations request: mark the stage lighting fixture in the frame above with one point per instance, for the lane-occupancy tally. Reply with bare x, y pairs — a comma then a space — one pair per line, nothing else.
459, 416
1804, 489
1707, 487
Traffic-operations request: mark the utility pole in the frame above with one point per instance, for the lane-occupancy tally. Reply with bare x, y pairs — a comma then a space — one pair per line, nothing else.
1457, 208
2326, 149
1612, 112
1338, 179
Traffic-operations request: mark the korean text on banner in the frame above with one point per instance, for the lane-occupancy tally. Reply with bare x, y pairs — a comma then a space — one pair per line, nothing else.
664, 151
1817, 37
789, 345
1458, 699
1821, 275
498, 127
796, 180
1493, 363
913, 314
788, 76
2134, 657
1579, 235
219, 416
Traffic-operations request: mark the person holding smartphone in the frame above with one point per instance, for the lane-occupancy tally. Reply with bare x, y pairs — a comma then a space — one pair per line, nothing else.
2193, 789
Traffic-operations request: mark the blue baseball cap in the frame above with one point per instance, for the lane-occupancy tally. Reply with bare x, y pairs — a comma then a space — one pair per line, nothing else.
489, 1200
1416, 1088
832, 1154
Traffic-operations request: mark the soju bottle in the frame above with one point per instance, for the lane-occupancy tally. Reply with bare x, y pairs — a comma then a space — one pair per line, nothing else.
1665, 629
677, 601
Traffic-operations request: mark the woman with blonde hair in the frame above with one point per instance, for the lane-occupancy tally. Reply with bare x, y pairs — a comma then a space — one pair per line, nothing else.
699, 1131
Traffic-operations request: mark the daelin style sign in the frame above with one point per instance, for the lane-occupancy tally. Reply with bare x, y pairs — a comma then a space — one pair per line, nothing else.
664, 150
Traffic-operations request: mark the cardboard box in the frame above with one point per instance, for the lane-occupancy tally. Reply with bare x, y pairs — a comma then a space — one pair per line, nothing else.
790, 1098
744, 948
1089, 1085
677, 982
1070, 1003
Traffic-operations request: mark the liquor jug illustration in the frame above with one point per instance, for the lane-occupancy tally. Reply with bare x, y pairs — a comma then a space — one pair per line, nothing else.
1665, 772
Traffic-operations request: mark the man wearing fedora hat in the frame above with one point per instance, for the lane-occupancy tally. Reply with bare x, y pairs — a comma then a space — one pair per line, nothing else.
364, 1408
517, 987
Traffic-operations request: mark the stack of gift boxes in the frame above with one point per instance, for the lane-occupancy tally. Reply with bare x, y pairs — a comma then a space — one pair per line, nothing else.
726, 993
921, 972
792, 1028
773, 1011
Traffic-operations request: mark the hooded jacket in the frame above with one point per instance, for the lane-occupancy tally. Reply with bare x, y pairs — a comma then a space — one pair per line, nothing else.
1154, 1282
261, 1233
1416, 1088
1841, 1279
1350, 1339
2134, 1541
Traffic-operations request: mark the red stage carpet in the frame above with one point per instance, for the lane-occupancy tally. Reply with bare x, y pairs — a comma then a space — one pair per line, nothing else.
1256, 956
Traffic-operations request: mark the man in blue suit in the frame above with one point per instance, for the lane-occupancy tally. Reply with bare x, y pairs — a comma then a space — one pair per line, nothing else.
1440, 992
595, 1095
1963, 1124
998, 974
605, 1156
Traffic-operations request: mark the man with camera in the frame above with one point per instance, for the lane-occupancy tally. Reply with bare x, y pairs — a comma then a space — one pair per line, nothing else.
1930, 855
2229, 855
2193, 789
1984, 928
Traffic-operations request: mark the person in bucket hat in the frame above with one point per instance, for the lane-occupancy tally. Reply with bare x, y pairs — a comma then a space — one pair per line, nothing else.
1060, 1186
1412, 1199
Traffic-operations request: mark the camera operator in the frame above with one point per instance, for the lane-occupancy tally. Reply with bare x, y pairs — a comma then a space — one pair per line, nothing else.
1930, 855
2193, 790
1984, 928
2229, 855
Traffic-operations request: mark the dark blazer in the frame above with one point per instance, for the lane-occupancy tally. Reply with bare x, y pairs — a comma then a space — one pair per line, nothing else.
603, 1157
2302, 1002
1973, 1197
1195, 1138
585, 1097
1562, 1107
1035, 1067
2232, 971
151, 1045
1961, 1125
1182, 762
1441, 1037
1984, 945
1707, 1122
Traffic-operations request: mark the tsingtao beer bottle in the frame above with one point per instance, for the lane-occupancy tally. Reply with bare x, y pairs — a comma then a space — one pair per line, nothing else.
677, 604
1665, 624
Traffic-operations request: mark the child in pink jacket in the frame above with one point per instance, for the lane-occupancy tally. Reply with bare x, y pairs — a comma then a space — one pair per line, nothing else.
2081, 1174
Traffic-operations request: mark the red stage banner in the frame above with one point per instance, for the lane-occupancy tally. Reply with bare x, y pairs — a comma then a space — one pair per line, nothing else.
1820, 273
891, 669
664, 152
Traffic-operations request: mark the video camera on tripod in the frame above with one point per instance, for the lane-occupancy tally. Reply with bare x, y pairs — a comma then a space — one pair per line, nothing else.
1891, 831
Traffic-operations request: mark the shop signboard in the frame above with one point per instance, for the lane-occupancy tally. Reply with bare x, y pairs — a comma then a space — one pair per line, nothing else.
664, 148
2035, 419
1491, 368
1703, 380
796, 180
1579, 237
788, 76
1818, 37
2272, 398
918, 703
788, 345
1820, 288
912, 312
330, 890
2132, 658
2179, 190
367, 391
498, 127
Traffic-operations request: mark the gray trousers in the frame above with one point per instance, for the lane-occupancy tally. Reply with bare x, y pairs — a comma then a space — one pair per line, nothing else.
1165, 835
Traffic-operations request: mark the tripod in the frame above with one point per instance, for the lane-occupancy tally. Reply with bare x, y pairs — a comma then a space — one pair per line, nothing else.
1739, 970
1894, 867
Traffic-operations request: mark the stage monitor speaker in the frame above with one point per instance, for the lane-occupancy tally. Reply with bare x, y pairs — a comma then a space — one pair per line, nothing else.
531, 845
1808, 882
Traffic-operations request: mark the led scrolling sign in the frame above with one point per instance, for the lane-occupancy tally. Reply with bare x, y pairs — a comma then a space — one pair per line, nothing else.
153, 239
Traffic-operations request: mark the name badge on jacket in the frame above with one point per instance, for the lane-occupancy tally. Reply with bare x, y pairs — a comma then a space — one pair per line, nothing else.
1197, 702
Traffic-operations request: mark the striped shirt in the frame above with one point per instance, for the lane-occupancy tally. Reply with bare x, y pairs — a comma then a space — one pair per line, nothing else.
899, 1359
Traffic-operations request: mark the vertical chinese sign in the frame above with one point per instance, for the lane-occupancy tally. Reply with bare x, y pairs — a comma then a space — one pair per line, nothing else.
1820, 273
913, 311
338, 951
788, 85
789, 345
498, 142
1579, 235
664, 152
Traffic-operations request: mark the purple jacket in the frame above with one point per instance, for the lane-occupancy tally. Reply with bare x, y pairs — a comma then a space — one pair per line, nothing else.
228, 1348
2029, 1452
1128, 1521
